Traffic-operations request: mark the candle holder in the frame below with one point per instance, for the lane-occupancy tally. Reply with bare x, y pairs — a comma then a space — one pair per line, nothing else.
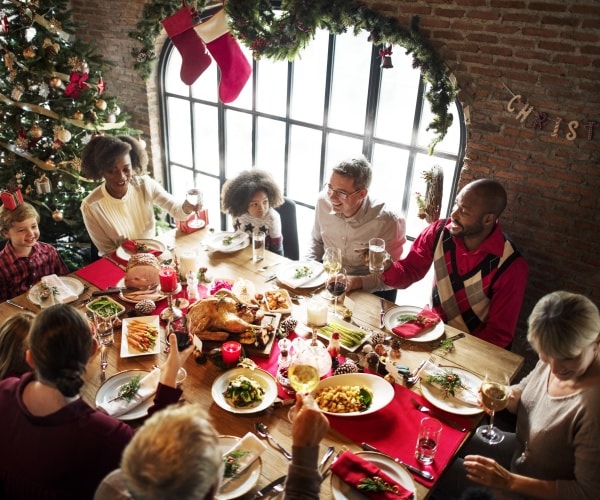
171, 313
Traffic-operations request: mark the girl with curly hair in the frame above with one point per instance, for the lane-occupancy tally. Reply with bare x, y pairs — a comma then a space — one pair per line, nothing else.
251, 199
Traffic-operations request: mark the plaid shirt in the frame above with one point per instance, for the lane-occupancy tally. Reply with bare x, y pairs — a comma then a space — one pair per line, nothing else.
19, 274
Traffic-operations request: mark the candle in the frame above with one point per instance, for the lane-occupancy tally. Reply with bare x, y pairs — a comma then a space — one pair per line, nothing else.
187, 263
167, 276
231, 352
316, 313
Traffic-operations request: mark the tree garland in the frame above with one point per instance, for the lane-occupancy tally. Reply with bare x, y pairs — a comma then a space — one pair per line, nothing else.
279, 30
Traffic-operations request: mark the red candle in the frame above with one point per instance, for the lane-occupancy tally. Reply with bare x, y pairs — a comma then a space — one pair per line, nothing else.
231, 352
167, 277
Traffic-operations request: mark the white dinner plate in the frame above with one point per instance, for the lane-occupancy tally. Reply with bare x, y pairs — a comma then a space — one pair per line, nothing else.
265, 379
390, 320
155, 296
126, 350
218, 242
343, 491
382, 390
110, 388
152, 244
316, 274
73, 283
451, 404
238, 486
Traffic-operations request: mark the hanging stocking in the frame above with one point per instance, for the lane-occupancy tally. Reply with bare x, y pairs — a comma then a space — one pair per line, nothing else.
195, 58
235, 68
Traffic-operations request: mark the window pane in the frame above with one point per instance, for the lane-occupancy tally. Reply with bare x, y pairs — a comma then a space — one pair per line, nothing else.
173, 83
238, 141
398, 98
389, 175
350, 82
180, 177
180, 131
452, 139
206, 86
271, 91
270, 148
309, 81
339, 148
304, 164
211, 190
206, 139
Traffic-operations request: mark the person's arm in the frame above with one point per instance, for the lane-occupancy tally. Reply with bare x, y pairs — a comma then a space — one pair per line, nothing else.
507, 297
165, 200
99, 229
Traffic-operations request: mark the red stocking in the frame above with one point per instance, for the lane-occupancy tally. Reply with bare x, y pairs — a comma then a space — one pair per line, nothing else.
235, 68
195, 58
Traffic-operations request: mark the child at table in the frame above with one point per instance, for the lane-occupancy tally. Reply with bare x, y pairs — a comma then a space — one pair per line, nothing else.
24, 260
251, 199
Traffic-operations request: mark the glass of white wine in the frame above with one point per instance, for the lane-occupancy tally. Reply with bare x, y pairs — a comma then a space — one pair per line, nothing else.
332, 263
495, 392
303, 373
194, 197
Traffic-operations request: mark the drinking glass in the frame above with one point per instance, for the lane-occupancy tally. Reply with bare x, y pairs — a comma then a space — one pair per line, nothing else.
376, 255
194, 196
494, 396
332, 263
428, 439
258, 245
303, 372
336, 286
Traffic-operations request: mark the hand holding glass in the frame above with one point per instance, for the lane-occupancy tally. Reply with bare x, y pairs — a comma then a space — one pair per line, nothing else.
303, 373
494, 396
376, 255
194, 197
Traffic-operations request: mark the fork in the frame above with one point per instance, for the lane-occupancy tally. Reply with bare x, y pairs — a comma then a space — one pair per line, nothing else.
103, 362
414, 377
424, 409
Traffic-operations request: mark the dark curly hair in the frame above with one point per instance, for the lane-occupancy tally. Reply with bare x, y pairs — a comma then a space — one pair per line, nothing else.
237, 192
61, 343
102, 152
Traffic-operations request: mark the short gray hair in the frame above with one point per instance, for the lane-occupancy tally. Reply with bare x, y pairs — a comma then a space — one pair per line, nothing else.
358, 169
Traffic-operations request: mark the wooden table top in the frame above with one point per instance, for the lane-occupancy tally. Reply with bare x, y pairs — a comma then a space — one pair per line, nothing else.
473, 354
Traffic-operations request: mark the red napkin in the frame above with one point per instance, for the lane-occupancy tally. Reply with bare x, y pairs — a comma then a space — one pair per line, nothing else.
132, 246
354, 470
425, 320
101, 273
183, 226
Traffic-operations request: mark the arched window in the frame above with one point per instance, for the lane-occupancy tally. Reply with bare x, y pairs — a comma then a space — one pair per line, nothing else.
297, 119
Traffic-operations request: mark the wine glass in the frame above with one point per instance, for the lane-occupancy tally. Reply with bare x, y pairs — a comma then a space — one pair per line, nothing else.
193, 196
494, 396
336, 286
303, 372
332, 263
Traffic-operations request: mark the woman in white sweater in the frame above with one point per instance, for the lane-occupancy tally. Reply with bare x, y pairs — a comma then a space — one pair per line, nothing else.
555, 452
121, 208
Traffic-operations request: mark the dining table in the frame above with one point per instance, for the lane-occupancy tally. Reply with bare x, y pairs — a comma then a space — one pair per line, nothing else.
391, 430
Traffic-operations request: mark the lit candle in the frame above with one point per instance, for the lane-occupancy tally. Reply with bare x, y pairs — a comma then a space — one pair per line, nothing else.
187, 263
316, 312
167, 276
231, 352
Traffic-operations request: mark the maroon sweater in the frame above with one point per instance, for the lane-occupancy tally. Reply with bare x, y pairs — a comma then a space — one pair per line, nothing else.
63, 455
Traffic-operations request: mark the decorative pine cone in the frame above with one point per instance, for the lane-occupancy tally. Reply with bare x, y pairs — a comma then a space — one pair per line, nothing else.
346, 367
377, 338
372, 358
288, 325
145, 306
396, 344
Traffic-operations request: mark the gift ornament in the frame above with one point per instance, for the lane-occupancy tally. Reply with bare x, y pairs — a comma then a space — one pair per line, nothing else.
11, 198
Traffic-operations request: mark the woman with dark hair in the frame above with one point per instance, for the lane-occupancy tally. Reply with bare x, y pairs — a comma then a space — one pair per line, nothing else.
13, 344
251, 199
121, 208
54, 445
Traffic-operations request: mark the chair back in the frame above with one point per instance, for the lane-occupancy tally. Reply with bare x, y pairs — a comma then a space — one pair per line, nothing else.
289, 229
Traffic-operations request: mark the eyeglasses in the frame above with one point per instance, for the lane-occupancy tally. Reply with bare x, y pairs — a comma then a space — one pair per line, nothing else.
342, 195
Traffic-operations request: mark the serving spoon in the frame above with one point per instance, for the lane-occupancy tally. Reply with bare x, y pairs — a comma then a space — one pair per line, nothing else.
263, 431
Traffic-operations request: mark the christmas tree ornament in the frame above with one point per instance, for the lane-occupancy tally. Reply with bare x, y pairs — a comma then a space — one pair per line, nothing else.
17, 92
386, 56
57, 215
42, 185
77, 84
101, 87
51, 49
101, 104
21, 141
35, 132
29, 52
111, 118
55, 82
180, 29
11, 197
62, 134
78, 115
225, 50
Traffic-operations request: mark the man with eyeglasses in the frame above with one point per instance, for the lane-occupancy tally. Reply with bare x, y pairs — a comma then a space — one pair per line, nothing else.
346, 217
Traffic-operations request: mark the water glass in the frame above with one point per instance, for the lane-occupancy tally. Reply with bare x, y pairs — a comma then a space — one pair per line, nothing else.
428, 439
104, 329
258, 246
376, 255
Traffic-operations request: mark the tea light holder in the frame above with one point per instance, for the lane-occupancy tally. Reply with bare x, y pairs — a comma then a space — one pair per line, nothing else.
231, 352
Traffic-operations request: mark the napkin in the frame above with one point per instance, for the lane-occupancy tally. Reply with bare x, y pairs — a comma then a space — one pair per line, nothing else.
317, 271
64, 293
250, 447
118, 407
183, 226
132, 246
467, 396
425, 320
353, 469
238, 239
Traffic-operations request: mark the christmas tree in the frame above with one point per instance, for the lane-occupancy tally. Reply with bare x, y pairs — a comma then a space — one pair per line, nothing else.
52, 102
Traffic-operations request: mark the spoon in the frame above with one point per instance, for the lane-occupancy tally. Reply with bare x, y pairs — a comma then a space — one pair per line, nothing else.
263, 431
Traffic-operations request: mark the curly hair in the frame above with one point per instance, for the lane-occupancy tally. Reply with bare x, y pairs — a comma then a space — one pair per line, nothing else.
23, 212
237, 192
102, 152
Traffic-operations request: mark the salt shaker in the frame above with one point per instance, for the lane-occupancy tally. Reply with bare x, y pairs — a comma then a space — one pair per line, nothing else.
192, 286
283, 364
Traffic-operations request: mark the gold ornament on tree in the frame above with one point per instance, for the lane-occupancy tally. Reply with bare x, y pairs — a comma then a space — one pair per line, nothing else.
35, 132
101, 104
61, 134
29, 52
57, 215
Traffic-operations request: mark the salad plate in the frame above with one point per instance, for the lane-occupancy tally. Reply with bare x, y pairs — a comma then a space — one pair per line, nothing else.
242, 484
263, 378
451, 404
392, 319
343, 491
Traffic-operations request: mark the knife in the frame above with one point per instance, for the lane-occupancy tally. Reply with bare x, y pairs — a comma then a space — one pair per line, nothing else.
261, 493
456, 337
18, 305
382, 314
423, 473
328, 453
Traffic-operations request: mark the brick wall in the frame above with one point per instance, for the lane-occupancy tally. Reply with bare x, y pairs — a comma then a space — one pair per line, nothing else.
547, 51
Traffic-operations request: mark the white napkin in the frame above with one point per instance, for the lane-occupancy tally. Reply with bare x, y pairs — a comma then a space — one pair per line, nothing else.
316, 268
237, 239
121, 406
254, 448
64, 293
467, 396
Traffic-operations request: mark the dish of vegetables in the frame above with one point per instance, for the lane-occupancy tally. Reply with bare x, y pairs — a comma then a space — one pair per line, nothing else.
105, 306
243, 390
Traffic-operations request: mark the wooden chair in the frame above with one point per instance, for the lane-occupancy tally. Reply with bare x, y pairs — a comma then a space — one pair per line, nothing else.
289, 229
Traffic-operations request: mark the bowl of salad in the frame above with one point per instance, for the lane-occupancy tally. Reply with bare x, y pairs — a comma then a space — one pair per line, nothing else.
244, 390
105, 306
